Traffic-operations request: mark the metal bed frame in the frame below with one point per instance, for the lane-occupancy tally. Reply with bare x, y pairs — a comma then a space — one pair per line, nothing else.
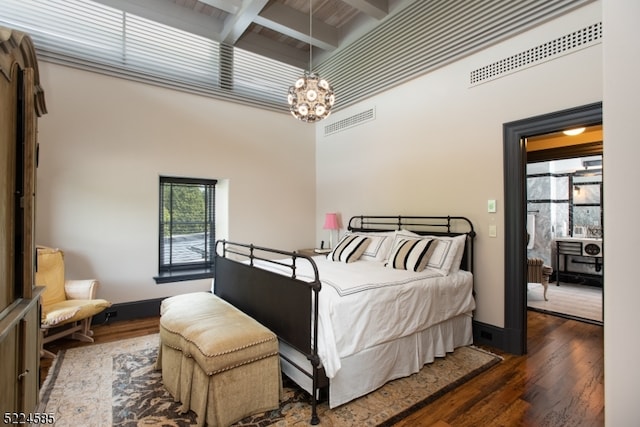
287, 305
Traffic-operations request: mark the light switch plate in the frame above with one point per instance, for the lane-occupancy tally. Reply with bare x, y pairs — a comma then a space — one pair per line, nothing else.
493, 231
491, 205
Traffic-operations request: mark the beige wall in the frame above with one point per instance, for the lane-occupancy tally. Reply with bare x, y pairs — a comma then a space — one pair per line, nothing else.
435, 146
103, 145
621, 207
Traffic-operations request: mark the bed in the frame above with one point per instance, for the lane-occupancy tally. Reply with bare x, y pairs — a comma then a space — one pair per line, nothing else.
395, 293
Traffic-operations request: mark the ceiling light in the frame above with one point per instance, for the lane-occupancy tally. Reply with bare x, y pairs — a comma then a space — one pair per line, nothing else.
311, 97
573, 132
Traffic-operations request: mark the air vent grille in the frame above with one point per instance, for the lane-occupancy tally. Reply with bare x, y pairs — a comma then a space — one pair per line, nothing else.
561, 46
349, 122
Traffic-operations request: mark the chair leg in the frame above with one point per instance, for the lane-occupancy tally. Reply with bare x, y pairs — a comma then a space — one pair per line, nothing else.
43, 351
545, 284
80, 330
546, 274
85, 333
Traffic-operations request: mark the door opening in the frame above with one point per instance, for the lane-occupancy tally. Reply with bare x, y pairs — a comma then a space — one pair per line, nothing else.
565, 232
515, 135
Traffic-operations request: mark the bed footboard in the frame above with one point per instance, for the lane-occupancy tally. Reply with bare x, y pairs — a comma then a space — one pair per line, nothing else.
281, 302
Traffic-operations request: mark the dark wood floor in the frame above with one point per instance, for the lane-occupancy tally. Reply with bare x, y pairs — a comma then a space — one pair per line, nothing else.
560, 382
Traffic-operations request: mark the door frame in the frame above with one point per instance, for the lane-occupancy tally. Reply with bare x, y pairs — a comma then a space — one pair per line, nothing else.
515, 194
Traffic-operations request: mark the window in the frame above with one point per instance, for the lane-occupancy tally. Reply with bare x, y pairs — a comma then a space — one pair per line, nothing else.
186, 229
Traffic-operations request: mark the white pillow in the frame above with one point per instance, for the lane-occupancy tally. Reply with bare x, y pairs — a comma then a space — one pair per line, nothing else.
411, 253
448, 250
379, 245
459, 254
349, 249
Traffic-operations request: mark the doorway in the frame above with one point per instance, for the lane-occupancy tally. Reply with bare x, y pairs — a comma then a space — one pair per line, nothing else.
515, 135
564, 226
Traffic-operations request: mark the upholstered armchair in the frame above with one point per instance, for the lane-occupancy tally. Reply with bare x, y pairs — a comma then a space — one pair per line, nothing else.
67, 305
537, 272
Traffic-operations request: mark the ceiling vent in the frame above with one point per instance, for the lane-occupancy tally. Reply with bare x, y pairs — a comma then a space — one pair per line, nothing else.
564, 45
349, 122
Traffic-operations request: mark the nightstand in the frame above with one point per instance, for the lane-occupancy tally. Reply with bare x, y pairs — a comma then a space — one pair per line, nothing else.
311, 252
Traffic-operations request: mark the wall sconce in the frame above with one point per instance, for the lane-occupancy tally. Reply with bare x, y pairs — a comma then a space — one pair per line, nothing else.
331, 223
576, 190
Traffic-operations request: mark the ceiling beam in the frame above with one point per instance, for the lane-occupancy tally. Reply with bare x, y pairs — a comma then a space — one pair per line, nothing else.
377, 9
229, 6
295, 24
236, 25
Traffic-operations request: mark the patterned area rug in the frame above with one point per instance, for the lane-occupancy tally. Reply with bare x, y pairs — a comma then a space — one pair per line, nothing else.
116, 384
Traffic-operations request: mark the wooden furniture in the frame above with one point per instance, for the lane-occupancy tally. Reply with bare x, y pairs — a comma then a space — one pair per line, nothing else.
585, 251
216, 360
285, 296
21, 103
310, 252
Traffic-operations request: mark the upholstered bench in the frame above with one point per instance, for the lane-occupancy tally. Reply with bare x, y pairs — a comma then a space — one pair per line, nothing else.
216, 360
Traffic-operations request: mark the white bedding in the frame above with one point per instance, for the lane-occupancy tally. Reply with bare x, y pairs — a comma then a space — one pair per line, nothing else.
364, 304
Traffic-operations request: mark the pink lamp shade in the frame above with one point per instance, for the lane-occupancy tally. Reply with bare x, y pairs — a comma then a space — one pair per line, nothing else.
331, 221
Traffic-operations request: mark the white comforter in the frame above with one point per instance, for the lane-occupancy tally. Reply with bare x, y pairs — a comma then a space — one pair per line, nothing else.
363, 304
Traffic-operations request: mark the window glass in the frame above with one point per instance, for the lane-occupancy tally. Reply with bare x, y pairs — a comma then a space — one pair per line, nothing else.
187, 224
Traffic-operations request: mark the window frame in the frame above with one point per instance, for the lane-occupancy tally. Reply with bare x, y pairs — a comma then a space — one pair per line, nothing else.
170, 271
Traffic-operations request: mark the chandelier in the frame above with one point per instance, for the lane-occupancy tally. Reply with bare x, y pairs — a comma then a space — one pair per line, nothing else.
311, 97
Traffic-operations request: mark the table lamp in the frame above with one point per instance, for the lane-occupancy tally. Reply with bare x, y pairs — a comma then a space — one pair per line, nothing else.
331, 223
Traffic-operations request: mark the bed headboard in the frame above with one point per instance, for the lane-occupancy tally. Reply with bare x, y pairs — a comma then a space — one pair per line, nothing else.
424, 225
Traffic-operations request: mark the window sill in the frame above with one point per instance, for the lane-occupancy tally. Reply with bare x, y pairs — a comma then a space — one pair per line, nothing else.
184, 275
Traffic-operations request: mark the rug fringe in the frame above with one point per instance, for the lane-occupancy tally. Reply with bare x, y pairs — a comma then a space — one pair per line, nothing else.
486, 351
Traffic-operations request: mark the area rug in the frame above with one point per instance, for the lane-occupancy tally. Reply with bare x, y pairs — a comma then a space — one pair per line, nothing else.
570, 299
116, 384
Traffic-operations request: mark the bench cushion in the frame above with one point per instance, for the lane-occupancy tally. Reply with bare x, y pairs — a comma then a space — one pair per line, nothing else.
213, 332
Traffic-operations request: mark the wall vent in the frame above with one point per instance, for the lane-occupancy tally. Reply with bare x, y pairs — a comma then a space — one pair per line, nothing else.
349, 122
545, 52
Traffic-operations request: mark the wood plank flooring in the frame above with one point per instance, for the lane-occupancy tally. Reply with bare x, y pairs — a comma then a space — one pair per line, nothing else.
560, 382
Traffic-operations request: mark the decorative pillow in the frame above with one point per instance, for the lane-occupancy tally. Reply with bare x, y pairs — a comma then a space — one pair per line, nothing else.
462, 241
447, 251
411, 253
349, 249
379, 245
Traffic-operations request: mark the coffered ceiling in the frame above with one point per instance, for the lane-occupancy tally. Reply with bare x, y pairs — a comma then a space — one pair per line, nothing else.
278, 29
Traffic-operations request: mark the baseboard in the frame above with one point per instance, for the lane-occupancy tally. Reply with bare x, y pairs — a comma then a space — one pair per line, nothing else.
129, 311
489, 335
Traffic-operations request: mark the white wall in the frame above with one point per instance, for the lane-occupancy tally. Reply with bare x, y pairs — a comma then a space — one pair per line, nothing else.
103, 145
621, 207
435, 147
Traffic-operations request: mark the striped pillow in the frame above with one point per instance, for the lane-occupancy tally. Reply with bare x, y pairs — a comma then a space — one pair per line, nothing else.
349, 249
411, 254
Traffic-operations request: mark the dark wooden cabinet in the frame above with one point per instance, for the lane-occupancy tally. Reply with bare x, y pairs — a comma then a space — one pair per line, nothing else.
21, 103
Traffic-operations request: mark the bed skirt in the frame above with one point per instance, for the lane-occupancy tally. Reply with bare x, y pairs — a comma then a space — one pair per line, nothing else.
370, 369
